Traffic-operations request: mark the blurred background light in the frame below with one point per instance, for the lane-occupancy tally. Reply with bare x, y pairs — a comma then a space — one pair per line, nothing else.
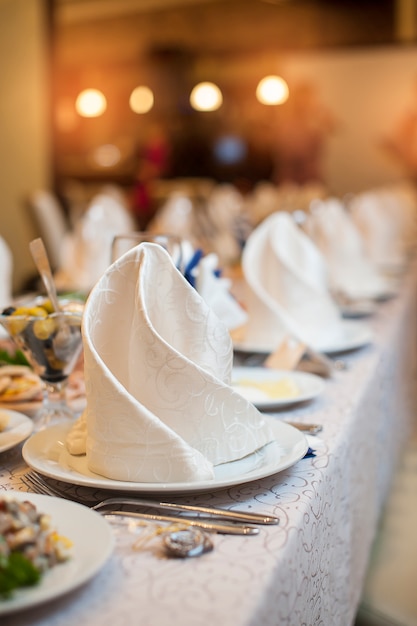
230, 149
107, 155
206, 97
272, 90
141, 99
90, 103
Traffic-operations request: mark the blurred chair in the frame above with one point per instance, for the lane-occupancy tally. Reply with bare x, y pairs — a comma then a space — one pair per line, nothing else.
50, 221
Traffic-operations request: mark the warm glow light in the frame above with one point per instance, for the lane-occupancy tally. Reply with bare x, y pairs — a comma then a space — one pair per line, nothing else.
206, 97
106, 155
91, 103
65, 115
141, 100
272, 90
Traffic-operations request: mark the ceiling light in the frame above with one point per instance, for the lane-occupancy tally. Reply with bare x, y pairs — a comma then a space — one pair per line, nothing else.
141, 100
206, 97
272, 90
90, 103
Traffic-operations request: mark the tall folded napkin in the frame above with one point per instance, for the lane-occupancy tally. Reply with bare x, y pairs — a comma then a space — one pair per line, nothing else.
158, 366
350, 270
287, 288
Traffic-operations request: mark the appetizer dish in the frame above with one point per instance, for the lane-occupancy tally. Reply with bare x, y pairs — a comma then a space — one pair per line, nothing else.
29, 546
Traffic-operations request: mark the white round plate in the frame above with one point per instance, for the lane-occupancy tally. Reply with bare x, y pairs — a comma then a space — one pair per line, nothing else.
246, 381
92, 540
353, 335
45, 452
17, 430
28, 407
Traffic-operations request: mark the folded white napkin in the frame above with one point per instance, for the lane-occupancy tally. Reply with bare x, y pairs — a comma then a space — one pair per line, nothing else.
350, 270
384, 223
158, 366
287, 288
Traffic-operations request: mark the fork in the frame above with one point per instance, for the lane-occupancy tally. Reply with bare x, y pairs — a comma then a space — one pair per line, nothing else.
39, 484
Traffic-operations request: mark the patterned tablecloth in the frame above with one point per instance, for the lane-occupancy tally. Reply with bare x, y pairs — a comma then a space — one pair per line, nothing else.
310, 568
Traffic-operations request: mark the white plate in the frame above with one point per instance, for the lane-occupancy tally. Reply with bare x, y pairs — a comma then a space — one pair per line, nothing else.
353, 335
18, 429
92, 540
28, 407
309, 386
46, 453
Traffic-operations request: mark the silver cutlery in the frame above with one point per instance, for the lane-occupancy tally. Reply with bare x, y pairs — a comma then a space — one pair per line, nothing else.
237, 516
40, 256
211, 526
209, 518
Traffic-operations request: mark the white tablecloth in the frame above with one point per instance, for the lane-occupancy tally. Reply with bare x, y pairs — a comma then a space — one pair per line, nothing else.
309, 569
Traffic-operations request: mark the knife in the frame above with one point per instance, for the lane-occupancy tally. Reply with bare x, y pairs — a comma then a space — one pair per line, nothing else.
211, 526
226, 514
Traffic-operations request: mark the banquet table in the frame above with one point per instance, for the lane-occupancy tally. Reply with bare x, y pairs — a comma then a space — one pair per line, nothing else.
310, 568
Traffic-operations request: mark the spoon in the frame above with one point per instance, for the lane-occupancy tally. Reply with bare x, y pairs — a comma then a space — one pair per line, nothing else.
40, 256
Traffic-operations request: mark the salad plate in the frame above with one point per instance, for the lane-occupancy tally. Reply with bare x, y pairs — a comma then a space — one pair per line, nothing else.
270, 388
17, 430
46, 453
92, 543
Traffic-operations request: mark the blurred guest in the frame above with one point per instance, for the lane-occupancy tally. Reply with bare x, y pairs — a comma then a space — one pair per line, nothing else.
153, 163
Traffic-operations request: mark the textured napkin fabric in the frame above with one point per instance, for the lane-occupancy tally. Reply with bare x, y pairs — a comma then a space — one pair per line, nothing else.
287, 289
350, 270
158, 366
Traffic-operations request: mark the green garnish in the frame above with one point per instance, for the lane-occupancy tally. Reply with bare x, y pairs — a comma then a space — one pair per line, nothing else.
16, 571
18, 358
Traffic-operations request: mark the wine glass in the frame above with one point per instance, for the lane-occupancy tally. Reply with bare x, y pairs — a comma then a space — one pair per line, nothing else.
124, 242
52, 343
